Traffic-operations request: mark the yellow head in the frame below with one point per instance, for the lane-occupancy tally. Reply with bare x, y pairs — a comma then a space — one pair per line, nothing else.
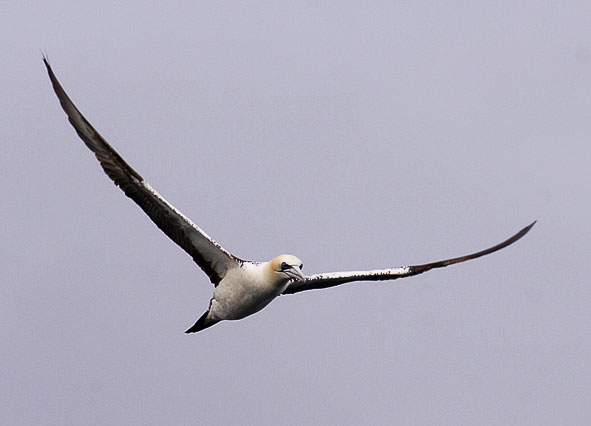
287, 267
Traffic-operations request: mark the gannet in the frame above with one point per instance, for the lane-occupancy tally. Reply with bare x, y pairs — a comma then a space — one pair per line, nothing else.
241, 287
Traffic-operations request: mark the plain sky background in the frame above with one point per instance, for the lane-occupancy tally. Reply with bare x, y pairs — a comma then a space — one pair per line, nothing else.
352, 134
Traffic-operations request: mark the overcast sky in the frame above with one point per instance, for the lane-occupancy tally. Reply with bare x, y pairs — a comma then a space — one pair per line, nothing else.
351, 134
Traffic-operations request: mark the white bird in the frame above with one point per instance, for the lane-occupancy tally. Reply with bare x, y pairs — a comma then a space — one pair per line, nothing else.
242, 287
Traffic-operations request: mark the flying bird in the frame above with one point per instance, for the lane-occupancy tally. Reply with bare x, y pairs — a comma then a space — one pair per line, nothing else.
242, 287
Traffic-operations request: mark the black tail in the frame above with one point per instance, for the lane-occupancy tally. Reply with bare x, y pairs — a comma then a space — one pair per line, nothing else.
202, 323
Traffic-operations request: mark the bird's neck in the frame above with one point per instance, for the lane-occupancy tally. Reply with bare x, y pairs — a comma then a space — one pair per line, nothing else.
271, 277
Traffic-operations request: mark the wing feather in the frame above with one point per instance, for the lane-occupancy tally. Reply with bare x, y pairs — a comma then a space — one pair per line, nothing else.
209, 255
332, 279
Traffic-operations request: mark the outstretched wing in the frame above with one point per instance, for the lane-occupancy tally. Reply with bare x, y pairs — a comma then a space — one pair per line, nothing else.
332, 279
209, 255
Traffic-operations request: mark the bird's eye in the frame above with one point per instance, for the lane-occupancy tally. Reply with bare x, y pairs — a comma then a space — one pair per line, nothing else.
284, 266
301, 266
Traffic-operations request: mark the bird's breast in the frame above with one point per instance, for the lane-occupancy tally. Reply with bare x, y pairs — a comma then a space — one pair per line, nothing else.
244, 291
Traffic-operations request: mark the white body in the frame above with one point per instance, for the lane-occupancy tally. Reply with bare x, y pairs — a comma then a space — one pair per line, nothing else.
244, 291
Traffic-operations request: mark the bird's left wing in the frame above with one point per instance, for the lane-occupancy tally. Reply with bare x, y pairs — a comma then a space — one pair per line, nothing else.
209, 255
332, 279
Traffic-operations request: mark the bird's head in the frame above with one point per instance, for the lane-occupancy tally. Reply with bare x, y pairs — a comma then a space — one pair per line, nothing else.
287, 266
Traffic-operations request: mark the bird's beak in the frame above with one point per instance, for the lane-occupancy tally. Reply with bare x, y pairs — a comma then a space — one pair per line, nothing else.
295, 274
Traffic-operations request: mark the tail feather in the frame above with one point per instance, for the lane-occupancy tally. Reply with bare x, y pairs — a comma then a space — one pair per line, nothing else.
202, 323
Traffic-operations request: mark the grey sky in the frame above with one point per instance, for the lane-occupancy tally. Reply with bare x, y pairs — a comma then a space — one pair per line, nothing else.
352, 134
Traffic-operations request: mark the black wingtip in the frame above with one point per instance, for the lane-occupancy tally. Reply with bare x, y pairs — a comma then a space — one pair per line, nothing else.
52, 77
45, 58
527, 228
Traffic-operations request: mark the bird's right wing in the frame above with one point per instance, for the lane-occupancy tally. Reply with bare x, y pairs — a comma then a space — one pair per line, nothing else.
209, 255
332, 279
